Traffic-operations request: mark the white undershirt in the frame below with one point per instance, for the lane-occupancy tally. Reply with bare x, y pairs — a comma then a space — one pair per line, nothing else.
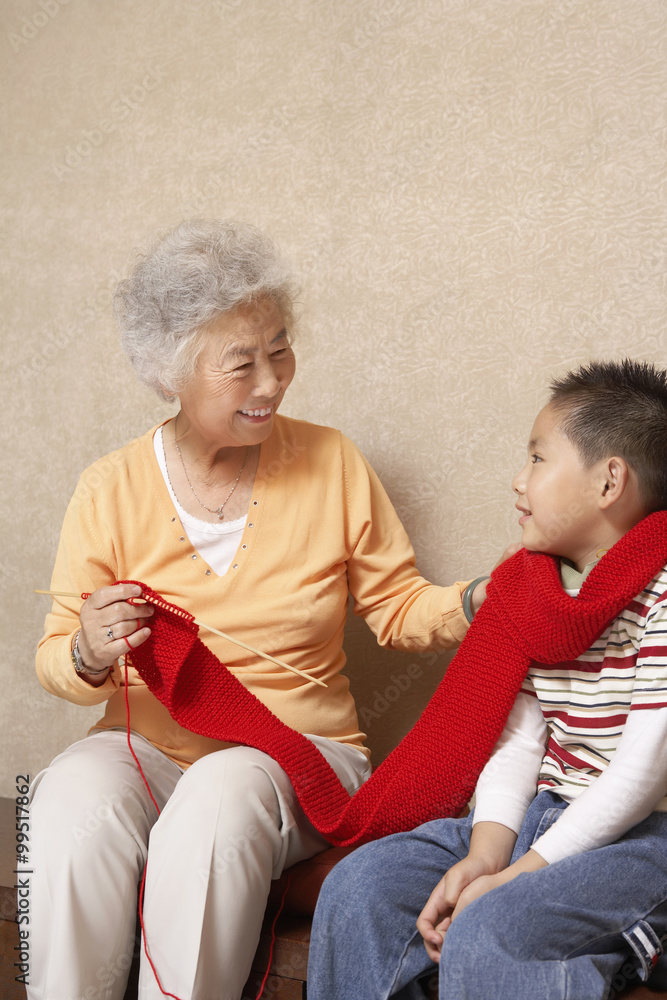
216, 543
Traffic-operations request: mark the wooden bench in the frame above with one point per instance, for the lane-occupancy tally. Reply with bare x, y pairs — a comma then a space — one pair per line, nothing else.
289, 965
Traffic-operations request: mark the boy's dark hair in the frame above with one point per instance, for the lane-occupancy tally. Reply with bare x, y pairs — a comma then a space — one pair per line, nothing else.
619, 408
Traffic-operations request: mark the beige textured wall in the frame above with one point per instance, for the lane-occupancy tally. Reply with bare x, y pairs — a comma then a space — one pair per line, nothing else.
473, 191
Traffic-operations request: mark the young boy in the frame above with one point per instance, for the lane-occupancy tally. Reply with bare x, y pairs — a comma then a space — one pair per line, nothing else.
556, 887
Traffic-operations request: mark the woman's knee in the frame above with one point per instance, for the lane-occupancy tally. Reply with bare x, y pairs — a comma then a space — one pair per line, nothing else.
86, 796
240, 777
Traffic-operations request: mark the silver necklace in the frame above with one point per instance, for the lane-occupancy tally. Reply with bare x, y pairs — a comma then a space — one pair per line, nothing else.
211, 510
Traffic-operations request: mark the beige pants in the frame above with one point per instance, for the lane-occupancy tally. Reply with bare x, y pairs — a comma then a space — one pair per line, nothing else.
228, 825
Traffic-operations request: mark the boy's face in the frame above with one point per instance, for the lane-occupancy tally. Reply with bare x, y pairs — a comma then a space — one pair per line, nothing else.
558, 496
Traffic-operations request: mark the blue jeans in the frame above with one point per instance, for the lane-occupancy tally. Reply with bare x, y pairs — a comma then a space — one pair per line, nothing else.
582, 928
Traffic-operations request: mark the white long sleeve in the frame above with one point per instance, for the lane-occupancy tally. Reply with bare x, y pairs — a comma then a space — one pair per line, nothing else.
626, 792
508, 783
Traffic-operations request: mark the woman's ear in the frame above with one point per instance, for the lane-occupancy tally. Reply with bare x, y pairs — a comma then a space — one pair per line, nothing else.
616, 478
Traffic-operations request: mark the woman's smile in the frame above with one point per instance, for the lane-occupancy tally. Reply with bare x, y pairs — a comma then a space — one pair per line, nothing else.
258, 416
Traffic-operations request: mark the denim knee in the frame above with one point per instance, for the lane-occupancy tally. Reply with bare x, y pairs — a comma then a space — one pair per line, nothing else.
469, 941
343, 881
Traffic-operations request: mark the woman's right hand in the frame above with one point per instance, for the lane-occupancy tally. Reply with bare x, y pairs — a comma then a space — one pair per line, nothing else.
109, 623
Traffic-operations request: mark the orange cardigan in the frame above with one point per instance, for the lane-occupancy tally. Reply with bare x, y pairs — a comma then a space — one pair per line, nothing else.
320, 529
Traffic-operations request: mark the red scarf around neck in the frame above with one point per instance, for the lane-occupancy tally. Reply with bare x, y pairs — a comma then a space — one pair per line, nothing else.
433, 771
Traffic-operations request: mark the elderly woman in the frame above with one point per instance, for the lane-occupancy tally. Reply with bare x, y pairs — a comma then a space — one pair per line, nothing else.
258, 524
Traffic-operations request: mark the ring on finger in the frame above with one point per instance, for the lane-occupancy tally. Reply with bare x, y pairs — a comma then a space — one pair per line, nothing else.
110, 632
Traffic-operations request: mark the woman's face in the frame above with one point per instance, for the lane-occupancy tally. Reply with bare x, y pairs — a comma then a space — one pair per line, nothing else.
243, 370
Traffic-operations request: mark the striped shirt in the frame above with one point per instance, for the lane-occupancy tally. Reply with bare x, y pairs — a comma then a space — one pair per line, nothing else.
586, 702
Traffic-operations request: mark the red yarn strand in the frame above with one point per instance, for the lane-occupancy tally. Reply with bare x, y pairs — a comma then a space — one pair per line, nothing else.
273, 938
143, 935
129, 741
143, 877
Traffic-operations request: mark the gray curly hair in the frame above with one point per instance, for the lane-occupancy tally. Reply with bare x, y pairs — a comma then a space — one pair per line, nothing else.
184, 281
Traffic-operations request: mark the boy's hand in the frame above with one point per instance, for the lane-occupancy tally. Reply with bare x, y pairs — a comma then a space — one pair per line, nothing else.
490, 851
482, 885
436, 917
530, 862
439, 911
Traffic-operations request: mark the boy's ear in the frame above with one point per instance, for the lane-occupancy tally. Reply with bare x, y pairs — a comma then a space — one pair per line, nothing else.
616, 477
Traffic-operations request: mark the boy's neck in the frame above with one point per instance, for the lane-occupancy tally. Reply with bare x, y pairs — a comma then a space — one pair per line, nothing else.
571, 577
581, 566
609, 531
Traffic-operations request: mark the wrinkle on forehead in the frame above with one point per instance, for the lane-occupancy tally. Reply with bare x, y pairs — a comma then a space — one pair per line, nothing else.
242, 349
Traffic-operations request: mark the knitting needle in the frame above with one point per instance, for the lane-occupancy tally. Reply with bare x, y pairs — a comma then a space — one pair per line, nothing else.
57, 593
209, 628
251, 649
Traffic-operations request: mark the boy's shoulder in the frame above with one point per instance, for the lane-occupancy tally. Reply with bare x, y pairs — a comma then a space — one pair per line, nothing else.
651, 601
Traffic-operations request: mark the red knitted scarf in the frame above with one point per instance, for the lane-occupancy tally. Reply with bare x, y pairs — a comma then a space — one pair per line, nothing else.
433, 771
